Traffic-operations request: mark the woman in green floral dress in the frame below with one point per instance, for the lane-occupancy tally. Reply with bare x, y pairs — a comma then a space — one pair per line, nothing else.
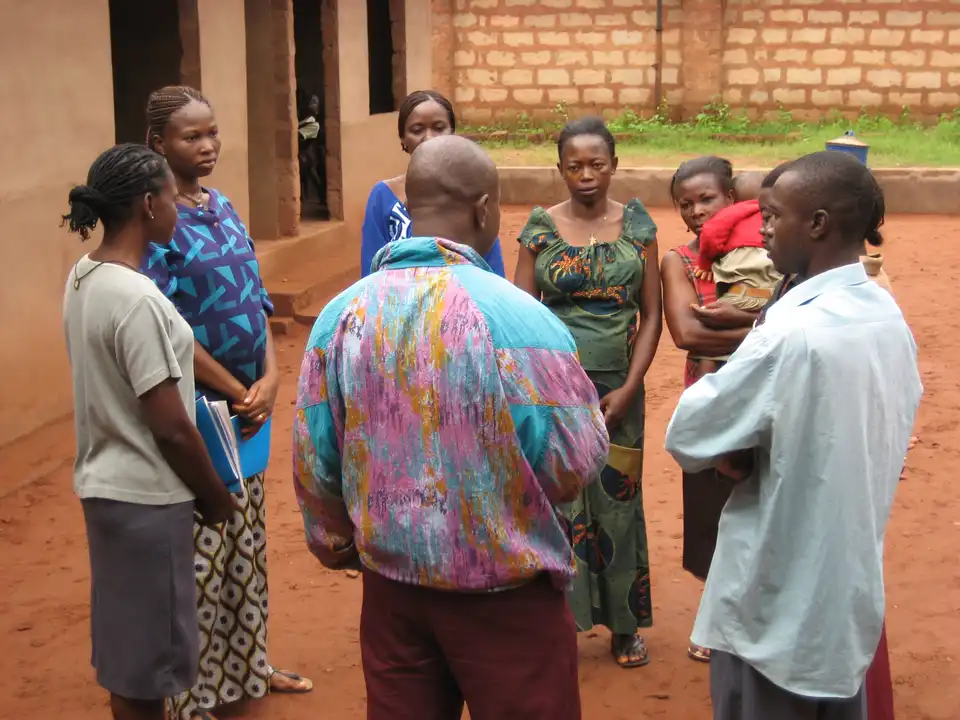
594, 263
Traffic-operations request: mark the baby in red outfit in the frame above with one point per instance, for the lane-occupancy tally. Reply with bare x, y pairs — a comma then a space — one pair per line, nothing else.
732, 252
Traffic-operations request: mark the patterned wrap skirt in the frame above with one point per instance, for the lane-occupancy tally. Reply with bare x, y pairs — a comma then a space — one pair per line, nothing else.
231, 576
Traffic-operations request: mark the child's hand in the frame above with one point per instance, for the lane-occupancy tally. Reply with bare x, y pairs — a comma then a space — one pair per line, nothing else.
705, 275
723, 316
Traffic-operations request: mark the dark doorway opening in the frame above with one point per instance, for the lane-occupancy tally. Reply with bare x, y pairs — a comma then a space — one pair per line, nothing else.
147, 52
386, 54
311, 108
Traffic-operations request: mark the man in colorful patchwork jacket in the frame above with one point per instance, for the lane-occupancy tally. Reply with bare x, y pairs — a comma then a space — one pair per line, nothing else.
442, 415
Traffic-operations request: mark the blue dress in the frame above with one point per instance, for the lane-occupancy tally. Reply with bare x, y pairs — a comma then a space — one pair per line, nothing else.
210, 272
387, 220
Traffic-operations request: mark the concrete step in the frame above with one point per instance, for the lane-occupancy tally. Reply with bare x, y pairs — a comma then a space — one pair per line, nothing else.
307, 315
275, 256
317, 265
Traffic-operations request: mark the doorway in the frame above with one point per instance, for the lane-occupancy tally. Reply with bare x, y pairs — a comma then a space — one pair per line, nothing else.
312, 145
147, 53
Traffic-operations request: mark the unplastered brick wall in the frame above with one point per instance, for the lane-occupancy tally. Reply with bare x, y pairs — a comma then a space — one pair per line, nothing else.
505, 58
817, 55
515, 57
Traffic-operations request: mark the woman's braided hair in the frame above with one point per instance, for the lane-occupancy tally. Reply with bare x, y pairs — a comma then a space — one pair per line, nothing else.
119, 177
162, 105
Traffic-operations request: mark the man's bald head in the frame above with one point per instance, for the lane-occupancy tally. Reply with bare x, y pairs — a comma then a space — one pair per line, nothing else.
453, 191
449, 168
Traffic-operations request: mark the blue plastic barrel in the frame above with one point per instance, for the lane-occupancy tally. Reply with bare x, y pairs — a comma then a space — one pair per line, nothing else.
850, 144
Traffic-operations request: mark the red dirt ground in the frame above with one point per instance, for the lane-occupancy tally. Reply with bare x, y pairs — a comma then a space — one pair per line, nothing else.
45, 671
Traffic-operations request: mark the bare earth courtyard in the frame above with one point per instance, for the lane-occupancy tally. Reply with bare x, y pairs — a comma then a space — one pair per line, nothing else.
44, 573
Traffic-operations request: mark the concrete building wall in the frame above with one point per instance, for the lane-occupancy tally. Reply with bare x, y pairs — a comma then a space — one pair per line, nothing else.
71, 116
57, 89
271, 136
503, 58
369, 146
223, 76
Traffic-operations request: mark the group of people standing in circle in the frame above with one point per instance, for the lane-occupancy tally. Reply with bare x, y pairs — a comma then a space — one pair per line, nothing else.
179, 309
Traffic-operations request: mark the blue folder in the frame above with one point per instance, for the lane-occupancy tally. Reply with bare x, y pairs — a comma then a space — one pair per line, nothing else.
254, 452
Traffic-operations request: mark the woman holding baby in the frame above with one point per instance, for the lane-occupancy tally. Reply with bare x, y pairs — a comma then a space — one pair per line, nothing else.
708, 330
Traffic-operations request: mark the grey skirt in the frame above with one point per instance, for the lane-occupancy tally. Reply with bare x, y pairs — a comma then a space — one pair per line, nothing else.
143, 602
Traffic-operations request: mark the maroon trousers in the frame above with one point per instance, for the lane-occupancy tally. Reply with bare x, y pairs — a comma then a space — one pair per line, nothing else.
511, 655
879, 683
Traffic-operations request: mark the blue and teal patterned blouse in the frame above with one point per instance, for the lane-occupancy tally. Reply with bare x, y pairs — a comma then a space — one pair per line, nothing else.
210, 272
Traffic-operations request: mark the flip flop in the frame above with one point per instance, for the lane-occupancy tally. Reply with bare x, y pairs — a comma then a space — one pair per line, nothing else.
698, 654
292, 676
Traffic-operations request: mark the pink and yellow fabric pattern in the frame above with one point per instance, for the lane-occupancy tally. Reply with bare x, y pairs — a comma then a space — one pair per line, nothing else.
442, 415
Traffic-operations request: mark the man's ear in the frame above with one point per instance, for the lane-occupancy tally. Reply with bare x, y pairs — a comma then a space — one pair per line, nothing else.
819, 224
614, 164
481, 210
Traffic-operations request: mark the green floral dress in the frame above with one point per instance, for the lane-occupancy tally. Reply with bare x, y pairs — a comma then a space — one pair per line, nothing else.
595, 291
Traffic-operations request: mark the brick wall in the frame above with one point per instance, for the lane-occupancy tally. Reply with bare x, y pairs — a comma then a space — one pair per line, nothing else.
830, 54
502, 58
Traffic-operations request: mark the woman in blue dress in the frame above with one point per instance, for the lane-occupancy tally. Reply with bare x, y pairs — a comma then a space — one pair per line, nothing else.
423, 115
210, 272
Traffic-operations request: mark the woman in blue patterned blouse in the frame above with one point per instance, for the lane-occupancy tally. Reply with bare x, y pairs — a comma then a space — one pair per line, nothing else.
423, 115
210, 273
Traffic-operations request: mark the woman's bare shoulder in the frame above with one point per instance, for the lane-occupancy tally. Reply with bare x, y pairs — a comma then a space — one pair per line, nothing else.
561, 209
398, 186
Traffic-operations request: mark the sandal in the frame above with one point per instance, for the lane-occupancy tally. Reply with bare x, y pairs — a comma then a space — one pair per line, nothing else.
629, 651
304, 685
698, 654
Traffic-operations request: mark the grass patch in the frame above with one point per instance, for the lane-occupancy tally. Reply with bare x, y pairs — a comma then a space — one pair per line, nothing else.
717, 130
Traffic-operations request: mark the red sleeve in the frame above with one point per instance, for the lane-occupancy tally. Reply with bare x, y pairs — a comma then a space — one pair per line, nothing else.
733, 227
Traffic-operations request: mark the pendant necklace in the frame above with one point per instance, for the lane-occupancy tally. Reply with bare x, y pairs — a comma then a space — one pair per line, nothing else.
77, 278
593, 237
195, 199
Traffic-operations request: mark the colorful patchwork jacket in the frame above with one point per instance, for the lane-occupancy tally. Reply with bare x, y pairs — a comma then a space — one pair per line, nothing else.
442, 414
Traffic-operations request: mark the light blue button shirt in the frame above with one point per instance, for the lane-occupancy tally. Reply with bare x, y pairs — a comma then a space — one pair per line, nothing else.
826, 391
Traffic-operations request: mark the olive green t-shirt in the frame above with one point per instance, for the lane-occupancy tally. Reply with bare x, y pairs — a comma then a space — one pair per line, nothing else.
123, 338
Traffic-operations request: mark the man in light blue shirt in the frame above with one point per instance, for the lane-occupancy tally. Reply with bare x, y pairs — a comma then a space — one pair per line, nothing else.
813, 412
